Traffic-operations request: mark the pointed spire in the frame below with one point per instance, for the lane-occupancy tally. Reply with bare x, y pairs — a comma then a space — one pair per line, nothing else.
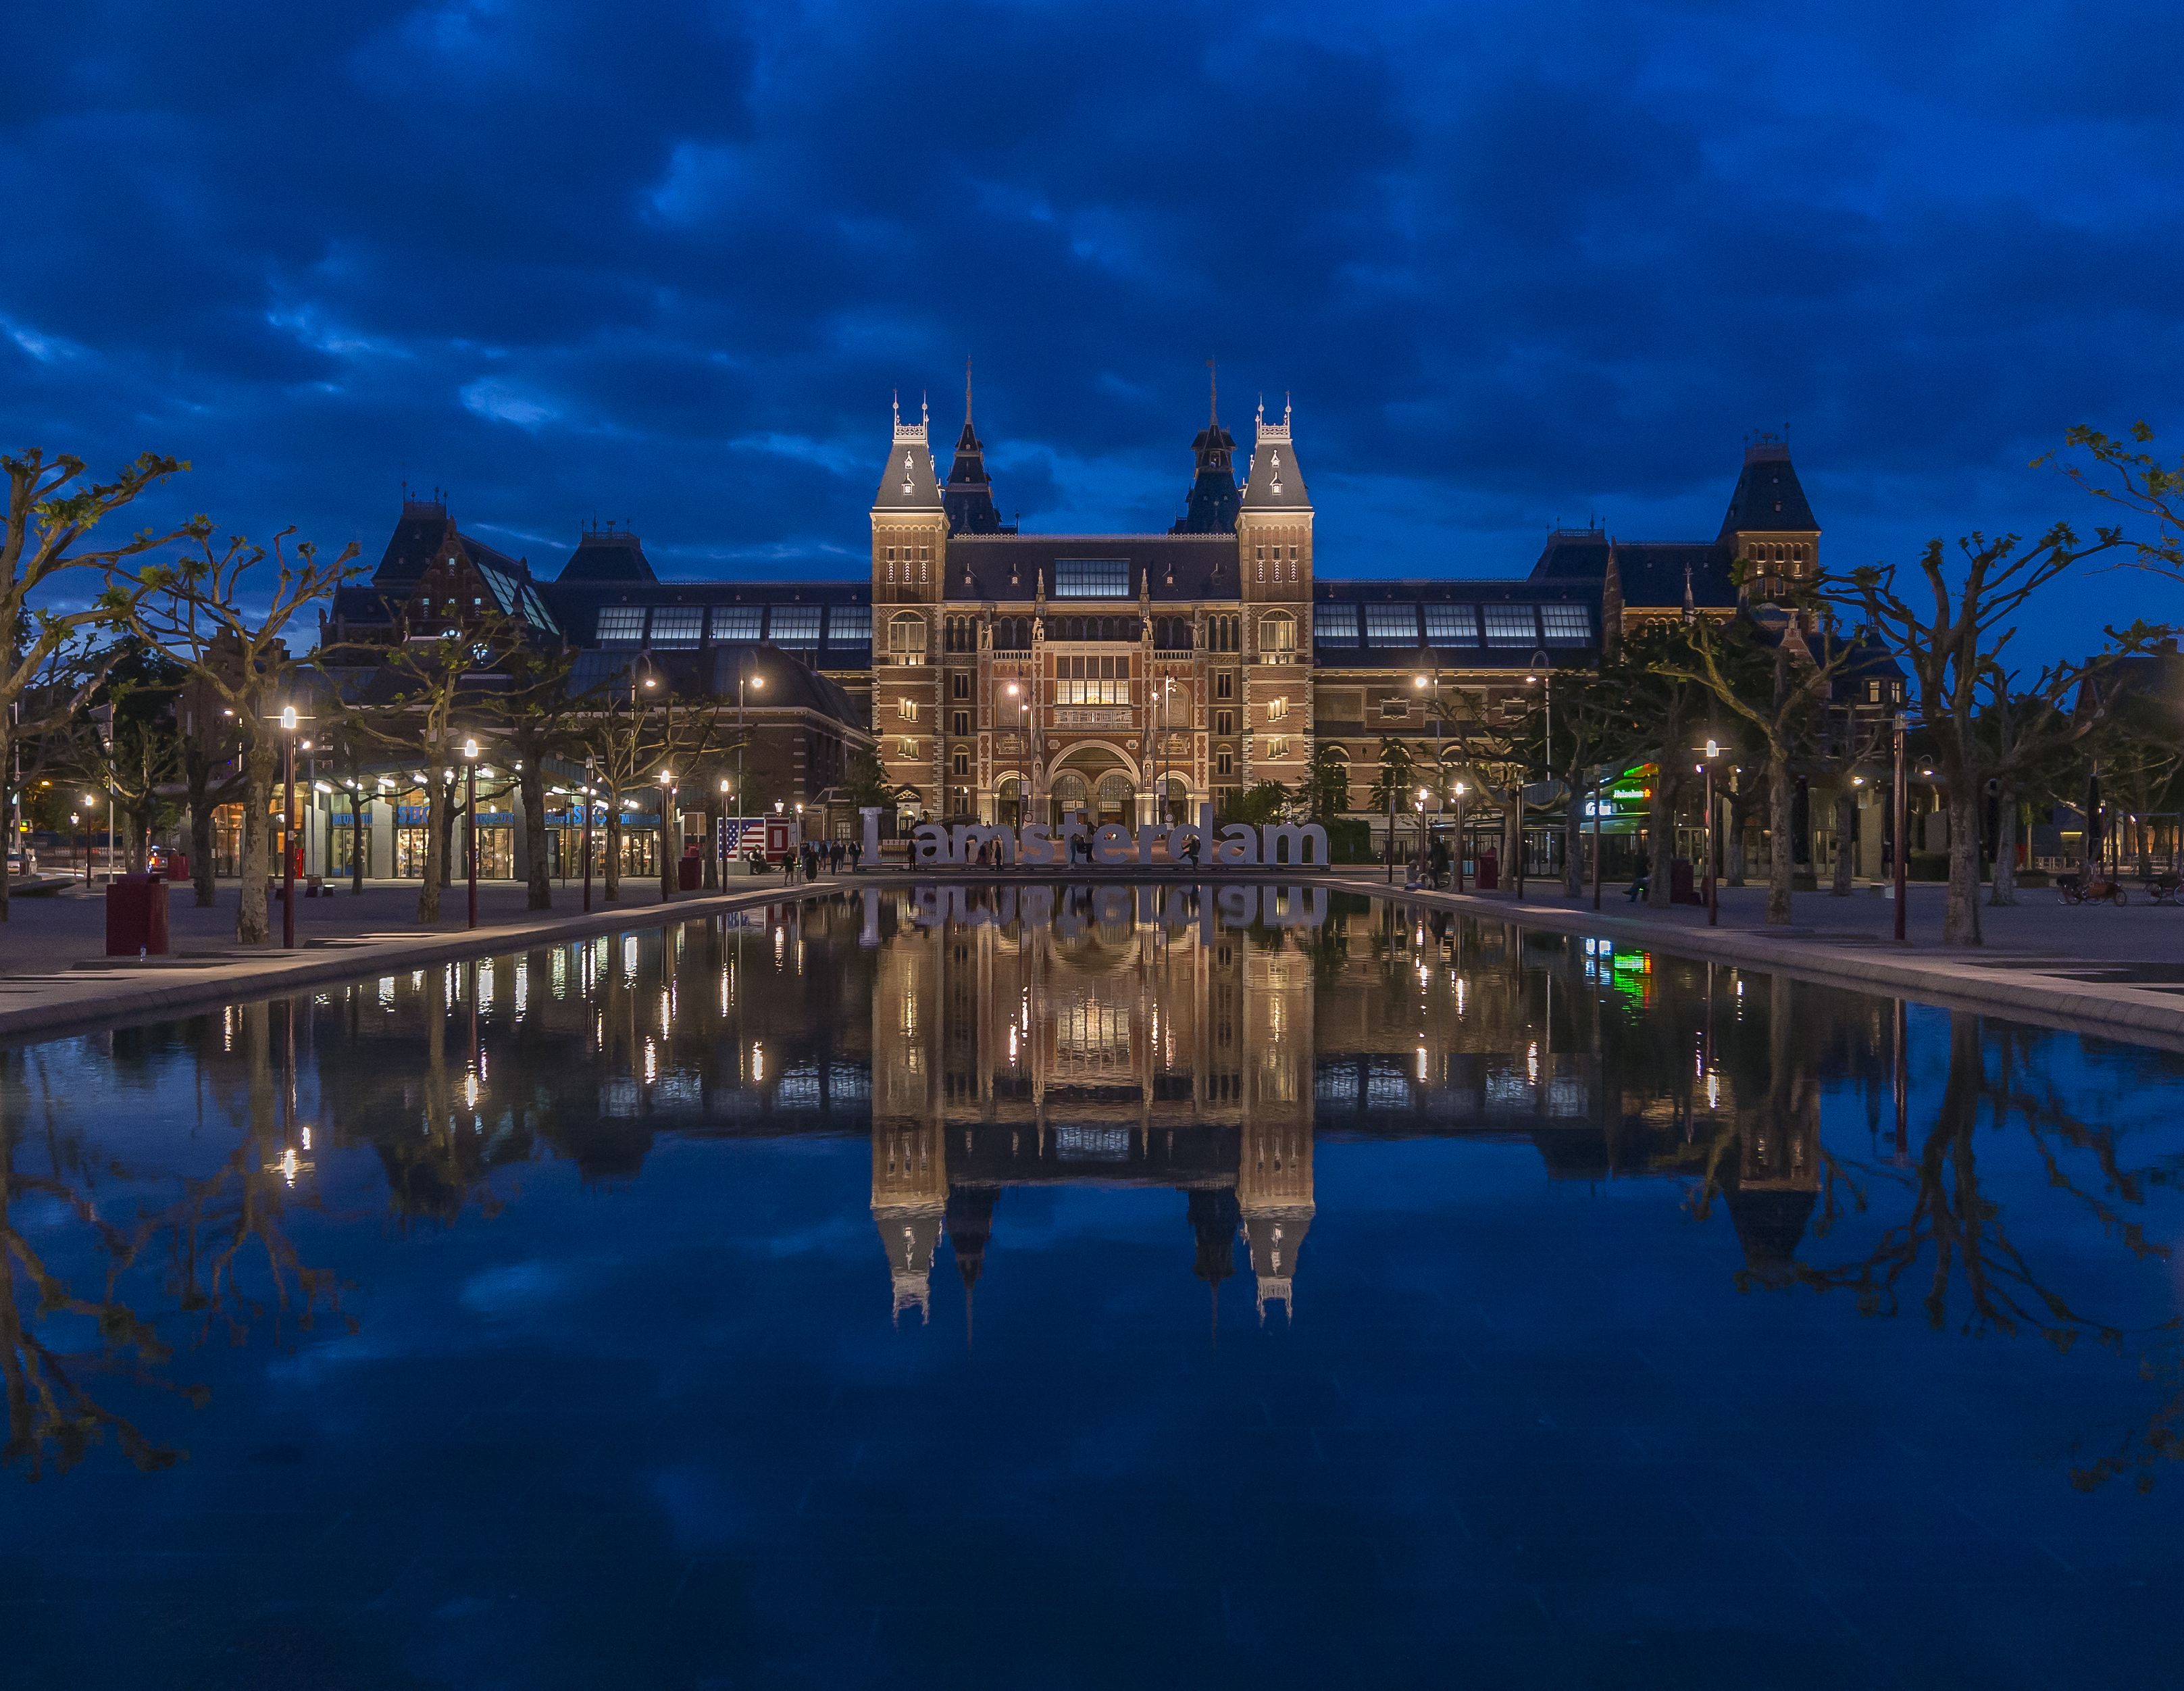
967, 392
1691, 609
1212, 396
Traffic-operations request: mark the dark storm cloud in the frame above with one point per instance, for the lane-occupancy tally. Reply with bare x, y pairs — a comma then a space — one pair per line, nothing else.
668, 264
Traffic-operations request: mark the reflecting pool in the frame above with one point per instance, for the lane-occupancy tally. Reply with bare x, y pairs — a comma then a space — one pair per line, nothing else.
1090, 1286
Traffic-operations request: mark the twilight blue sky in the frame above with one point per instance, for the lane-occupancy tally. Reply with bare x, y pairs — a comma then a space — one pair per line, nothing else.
666, 263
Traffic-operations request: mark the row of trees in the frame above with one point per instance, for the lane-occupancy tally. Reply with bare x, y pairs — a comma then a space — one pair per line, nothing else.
161, 665
1773, 689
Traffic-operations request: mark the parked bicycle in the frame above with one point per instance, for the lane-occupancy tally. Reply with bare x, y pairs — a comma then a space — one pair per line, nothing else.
2163, 889
2095, 886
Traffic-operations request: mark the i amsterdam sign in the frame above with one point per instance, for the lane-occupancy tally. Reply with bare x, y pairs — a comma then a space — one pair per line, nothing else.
1110, 845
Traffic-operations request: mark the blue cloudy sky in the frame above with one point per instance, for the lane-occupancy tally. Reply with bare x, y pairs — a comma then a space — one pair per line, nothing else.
667, 263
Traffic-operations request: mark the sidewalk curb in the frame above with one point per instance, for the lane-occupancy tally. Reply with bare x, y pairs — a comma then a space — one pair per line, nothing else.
2101, 1009
277, 972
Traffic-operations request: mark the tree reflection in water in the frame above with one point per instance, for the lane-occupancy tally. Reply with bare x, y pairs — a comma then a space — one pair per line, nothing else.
219, 1245
1205, 1046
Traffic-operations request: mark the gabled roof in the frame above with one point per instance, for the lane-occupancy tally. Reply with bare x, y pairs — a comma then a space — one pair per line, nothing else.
419, 539
1579, 554
1768, 495
608, 555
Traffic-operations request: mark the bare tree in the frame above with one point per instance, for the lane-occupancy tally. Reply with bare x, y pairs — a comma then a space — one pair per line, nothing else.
203, 611
51, 510
1950, 650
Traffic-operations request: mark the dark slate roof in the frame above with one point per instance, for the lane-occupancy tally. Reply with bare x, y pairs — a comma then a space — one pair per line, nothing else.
1578, 553
907, 481
1768, 495
419, 538
969, 494
1652, 573
605, 556
1770, 1224
1275, 483
1008, 566
790, 684
1211, 504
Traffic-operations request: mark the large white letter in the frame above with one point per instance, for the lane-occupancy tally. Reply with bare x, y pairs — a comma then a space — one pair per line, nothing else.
929, 843
872, 816
1239, 847
1034, 845
1300, 841
1111, 844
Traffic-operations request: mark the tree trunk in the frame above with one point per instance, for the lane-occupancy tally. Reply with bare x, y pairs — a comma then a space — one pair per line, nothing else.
614, 847
252, 927
1846, 827
1662, 846
534, 784
201, 820
444, 821
8, 797
712, 834
1512, 840
1737, 811
1574, 878
437, 827
1781, 850
2005, 851
360, 835
1960, 924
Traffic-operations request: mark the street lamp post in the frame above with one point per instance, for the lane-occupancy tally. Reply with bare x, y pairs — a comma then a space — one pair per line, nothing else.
1902, 826
1459, 836
1024, 759
721, 840
591, 778
289, 836
469, 768
1712, 892
671, 867
743, 792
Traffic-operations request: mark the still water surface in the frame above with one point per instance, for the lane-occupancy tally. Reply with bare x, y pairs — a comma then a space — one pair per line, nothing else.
1108, 1288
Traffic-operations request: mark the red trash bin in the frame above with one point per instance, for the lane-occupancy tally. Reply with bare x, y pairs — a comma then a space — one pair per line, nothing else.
690, 872
1486, 876
136, 916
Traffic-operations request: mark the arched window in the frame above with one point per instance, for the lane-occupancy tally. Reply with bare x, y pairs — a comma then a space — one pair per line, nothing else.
1114, 793
1277, 637
906, 639
1069, 789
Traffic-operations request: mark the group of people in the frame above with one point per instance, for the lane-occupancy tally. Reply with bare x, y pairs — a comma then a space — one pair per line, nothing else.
816, 856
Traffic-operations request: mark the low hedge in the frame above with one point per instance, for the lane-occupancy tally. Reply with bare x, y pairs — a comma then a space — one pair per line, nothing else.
1349, 840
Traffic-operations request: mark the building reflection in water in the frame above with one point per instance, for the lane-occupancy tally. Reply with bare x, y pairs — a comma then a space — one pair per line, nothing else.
1151, 1035
1205, 1040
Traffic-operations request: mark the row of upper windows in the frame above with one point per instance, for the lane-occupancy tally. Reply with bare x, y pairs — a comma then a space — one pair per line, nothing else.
1558, 623
682, 627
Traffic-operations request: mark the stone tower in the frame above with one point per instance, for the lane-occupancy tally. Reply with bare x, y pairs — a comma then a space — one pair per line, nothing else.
1274, 1175
909, 557
1274, 565
1769, 522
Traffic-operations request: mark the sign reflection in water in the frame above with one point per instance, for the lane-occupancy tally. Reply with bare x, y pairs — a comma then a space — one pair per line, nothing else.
1154, 1035
1199, 1039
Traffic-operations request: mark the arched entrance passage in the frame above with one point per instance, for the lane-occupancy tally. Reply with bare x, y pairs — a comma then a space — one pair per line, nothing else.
1097, 779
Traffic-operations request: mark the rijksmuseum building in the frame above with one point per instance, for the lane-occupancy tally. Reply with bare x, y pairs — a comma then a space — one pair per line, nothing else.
1012, 677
